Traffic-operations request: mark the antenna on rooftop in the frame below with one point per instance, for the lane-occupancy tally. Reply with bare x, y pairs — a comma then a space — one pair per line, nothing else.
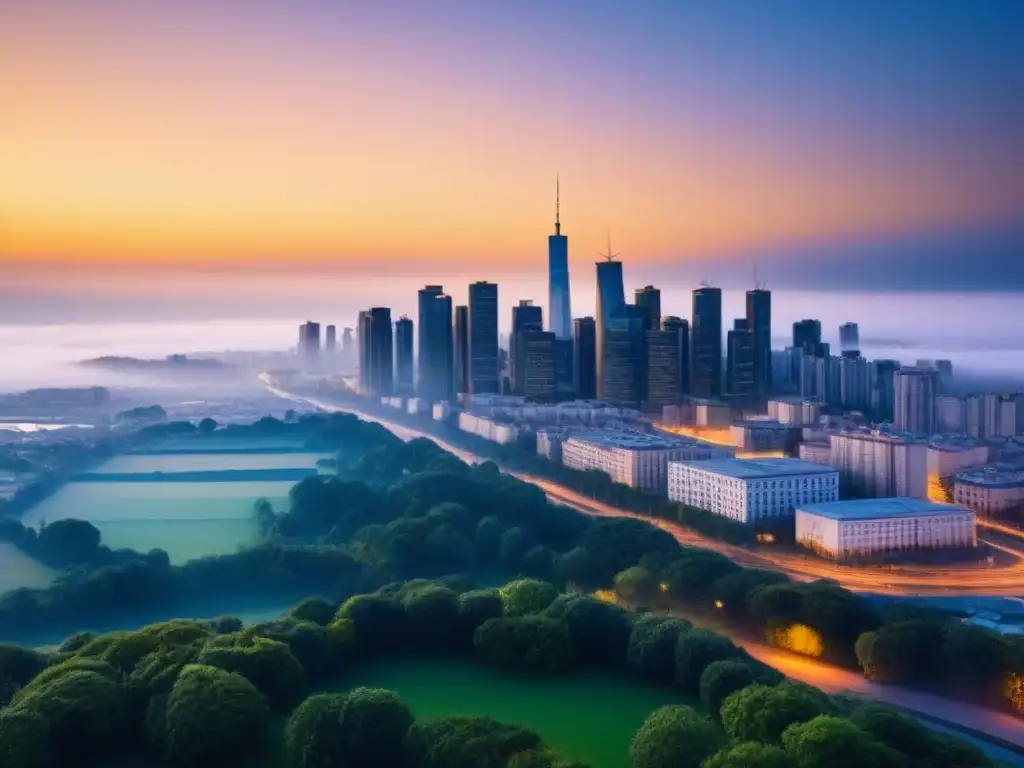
609, 256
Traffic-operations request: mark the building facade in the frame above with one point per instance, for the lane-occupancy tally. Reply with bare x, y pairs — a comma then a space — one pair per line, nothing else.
849, 340
682, 329
403, 356
741, 360
377, 353
706, 343
914, 393
534, 366
794, 411
870, 527
584, 349
879, 464
559, 309
309, 342
990, 491
436, 373
460, 349
663, 369
648, 299
759, 321
635, 459
484, 365
751, 490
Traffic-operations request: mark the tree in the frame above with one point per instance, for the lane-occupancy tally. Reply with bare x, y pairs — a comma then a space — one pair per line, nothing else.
380, 621
212, 717
489, 531
750, 754
733, 591
476, 607
689, 576
897, 730
433, 614
84, 712
68, 542
637, 586
616, 544
526, 596
974, 660
526, 643
721, 679
775, 605
674, 737
838, 615
579, 567
208, 426
902, 652
17, 667
836, 743
24, 740
314, 609
267, 664
514, 545
374, 724
462, 741
762, 713
695, 649
652, 646
313, 736
600, 631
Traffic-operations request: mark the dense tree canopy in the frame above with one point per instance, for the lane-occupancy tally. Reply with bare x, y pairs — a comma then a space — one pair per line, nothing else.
674, 737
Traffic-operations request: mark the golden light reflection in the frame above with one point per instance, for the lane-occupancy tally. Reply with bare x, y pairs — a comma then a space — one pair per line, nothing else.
606, 596
799, 638
1014, 691
718, 436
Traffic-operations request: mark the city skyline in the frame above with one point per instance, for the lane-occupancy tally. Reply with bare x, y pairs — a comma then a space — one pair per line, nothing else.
198, 139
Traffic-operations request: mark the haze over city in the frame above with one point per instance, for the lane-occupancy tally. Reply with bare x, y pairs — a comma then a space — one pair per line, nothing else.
512, 385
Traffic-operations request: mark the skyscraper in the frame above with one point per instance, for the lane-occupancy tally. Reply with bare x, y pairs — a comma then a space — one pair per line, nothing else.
855, 383
883, 376
741, 358
332, 339
620, 339
363, 327
347, 345
483, 338
807, 335
682, 329
403, 356
759, 321
849, 340
377, 338
648, 299
559, 312
436, 370
309, 342
526, 318
461, 349
533, 365
663, 368
584, 367
914, 391
706, 343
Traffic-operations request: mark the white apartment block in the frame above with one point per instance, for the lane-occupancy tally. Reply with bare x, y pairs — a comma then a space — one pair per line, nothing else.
865, 527
990, 490
751, 490
947, 457
638, 460
490, 430
796, 412
880, 464
816, 453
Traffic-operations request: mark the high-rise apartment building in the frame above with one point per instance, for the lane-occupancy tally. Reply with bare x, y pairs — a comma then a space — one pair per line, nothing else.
484, 360
461, 349
376, 352
648, 299
533, 366
309, 342
682, 329
854, 383
347, 345
914, 392
807, 335
620, 339
883, 377
584, 349
331, 342
706, 343
564, 365
759, 321
663, 368
880, 465
559, 311
741, 360
404, 383
526, 318
849, 340
435, 380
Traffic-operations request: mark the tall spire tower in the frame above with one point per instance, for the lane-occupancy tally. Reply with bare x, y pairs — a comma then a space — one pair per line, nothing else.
559, 312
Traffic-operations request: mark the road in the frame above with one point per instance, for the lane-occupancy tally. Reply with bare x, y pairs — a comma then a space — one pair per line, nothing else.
827, 677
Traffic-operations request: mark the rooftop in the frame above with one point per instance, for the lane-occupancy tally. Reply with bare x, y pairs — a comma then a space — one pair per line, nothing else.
635, 441
992, 476
874, 509
750, 469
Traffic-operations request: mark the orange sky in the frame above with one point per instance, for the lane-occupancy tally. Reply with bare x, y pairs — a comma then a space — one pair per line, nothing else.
139, 135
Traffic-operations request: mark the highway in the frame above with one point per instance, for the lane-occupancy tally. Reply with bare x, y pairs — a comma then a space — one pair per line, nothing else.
832, 679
